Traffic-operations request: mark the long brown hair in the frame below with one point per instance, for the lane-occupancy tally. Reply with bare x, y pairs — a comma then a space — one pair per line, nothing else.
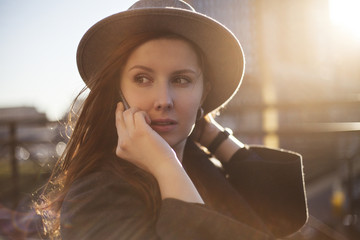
94, 139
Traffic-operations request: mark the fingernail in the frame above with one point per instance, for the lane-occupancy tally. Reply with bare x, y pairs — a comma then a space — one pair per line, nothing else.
120, 105
147, 119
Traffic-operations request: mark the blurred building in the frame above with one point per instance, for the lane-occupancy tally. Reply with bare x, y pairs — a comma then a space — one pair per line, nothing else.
29, 132
29, 146
300, 70
301, 91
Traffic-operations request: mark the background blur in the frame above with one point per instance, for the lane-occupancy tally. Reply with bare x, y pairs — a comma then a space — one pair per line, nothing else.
301, 92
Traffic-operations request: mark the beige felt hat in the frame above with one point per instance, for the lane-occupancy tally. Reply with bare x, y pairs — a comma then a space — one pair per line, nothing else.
222, 49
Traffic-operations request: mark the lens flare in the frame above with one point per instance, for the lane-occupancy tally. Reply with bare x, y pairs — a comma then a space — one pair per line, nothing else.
345, 14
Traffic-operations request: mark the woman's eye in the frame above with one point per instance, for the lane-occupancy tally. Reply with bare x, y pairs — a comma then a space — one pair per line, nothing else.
182, 80
142, 79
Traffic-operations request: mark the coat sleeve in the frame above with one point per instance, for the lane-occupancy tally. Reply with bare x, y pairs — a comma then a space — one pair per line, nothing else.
101, 207
271, 180
96, 209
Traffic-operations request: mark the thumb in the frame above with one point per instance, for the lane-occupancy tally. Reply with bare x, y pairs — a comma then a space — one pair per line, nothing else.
147, 119
142, 117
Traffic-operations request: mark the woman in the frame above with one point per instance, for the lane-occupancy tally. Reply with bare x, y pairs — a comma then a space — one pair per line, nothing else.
130, 169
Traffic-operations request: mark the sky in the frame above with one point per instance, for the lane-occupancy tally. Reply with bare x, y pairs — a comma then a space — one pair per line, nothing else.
38, 42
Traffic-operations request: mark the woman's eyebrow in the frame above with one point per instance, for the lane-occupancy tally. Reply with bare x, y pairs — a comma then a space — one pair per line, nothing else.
183, 71
197, 74
141, 67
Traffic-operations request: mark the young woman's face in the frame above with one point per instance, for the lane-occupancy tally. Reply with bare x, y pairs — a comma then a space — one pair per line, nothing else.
163, 78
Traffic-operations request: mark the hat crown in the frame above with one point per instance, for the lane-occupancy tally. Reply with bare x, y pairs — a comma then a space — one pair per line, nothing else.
161, 4
224, 55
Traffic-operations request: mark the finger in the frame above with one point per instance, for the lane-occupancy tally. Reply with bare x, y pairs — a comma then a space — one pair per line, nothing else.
119, 113
119, 118
148, 120
119, 107
129, 118
141, 119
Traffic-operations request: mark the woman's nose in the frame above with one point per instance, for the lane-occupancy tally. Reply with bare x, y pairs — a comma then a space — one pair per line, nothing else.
164, 99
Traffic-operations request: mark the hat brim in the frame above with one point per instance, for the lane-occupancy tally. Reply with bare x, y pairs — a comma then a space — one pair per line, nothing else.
222, 49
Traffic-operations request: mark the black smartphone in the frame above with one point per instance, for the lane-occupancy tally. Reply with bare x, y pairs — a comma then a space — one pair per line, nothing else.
123, 100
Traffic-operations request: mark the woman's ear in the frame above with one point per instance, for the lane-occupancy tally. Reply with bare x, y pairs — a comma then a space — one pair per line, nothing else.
207, 88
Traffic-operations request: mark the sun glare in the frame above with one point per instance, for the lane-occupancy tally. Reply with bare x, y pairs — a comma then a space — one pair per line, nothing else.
345, 14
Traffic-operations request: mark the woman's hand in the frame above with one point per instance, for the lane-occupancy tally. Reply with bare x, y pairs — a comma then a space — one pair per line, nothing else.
206, 130
138, 143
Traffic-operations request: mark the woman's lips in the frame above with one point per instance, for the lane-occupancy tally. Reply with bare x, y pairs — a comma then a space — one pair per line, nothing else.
163, 125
